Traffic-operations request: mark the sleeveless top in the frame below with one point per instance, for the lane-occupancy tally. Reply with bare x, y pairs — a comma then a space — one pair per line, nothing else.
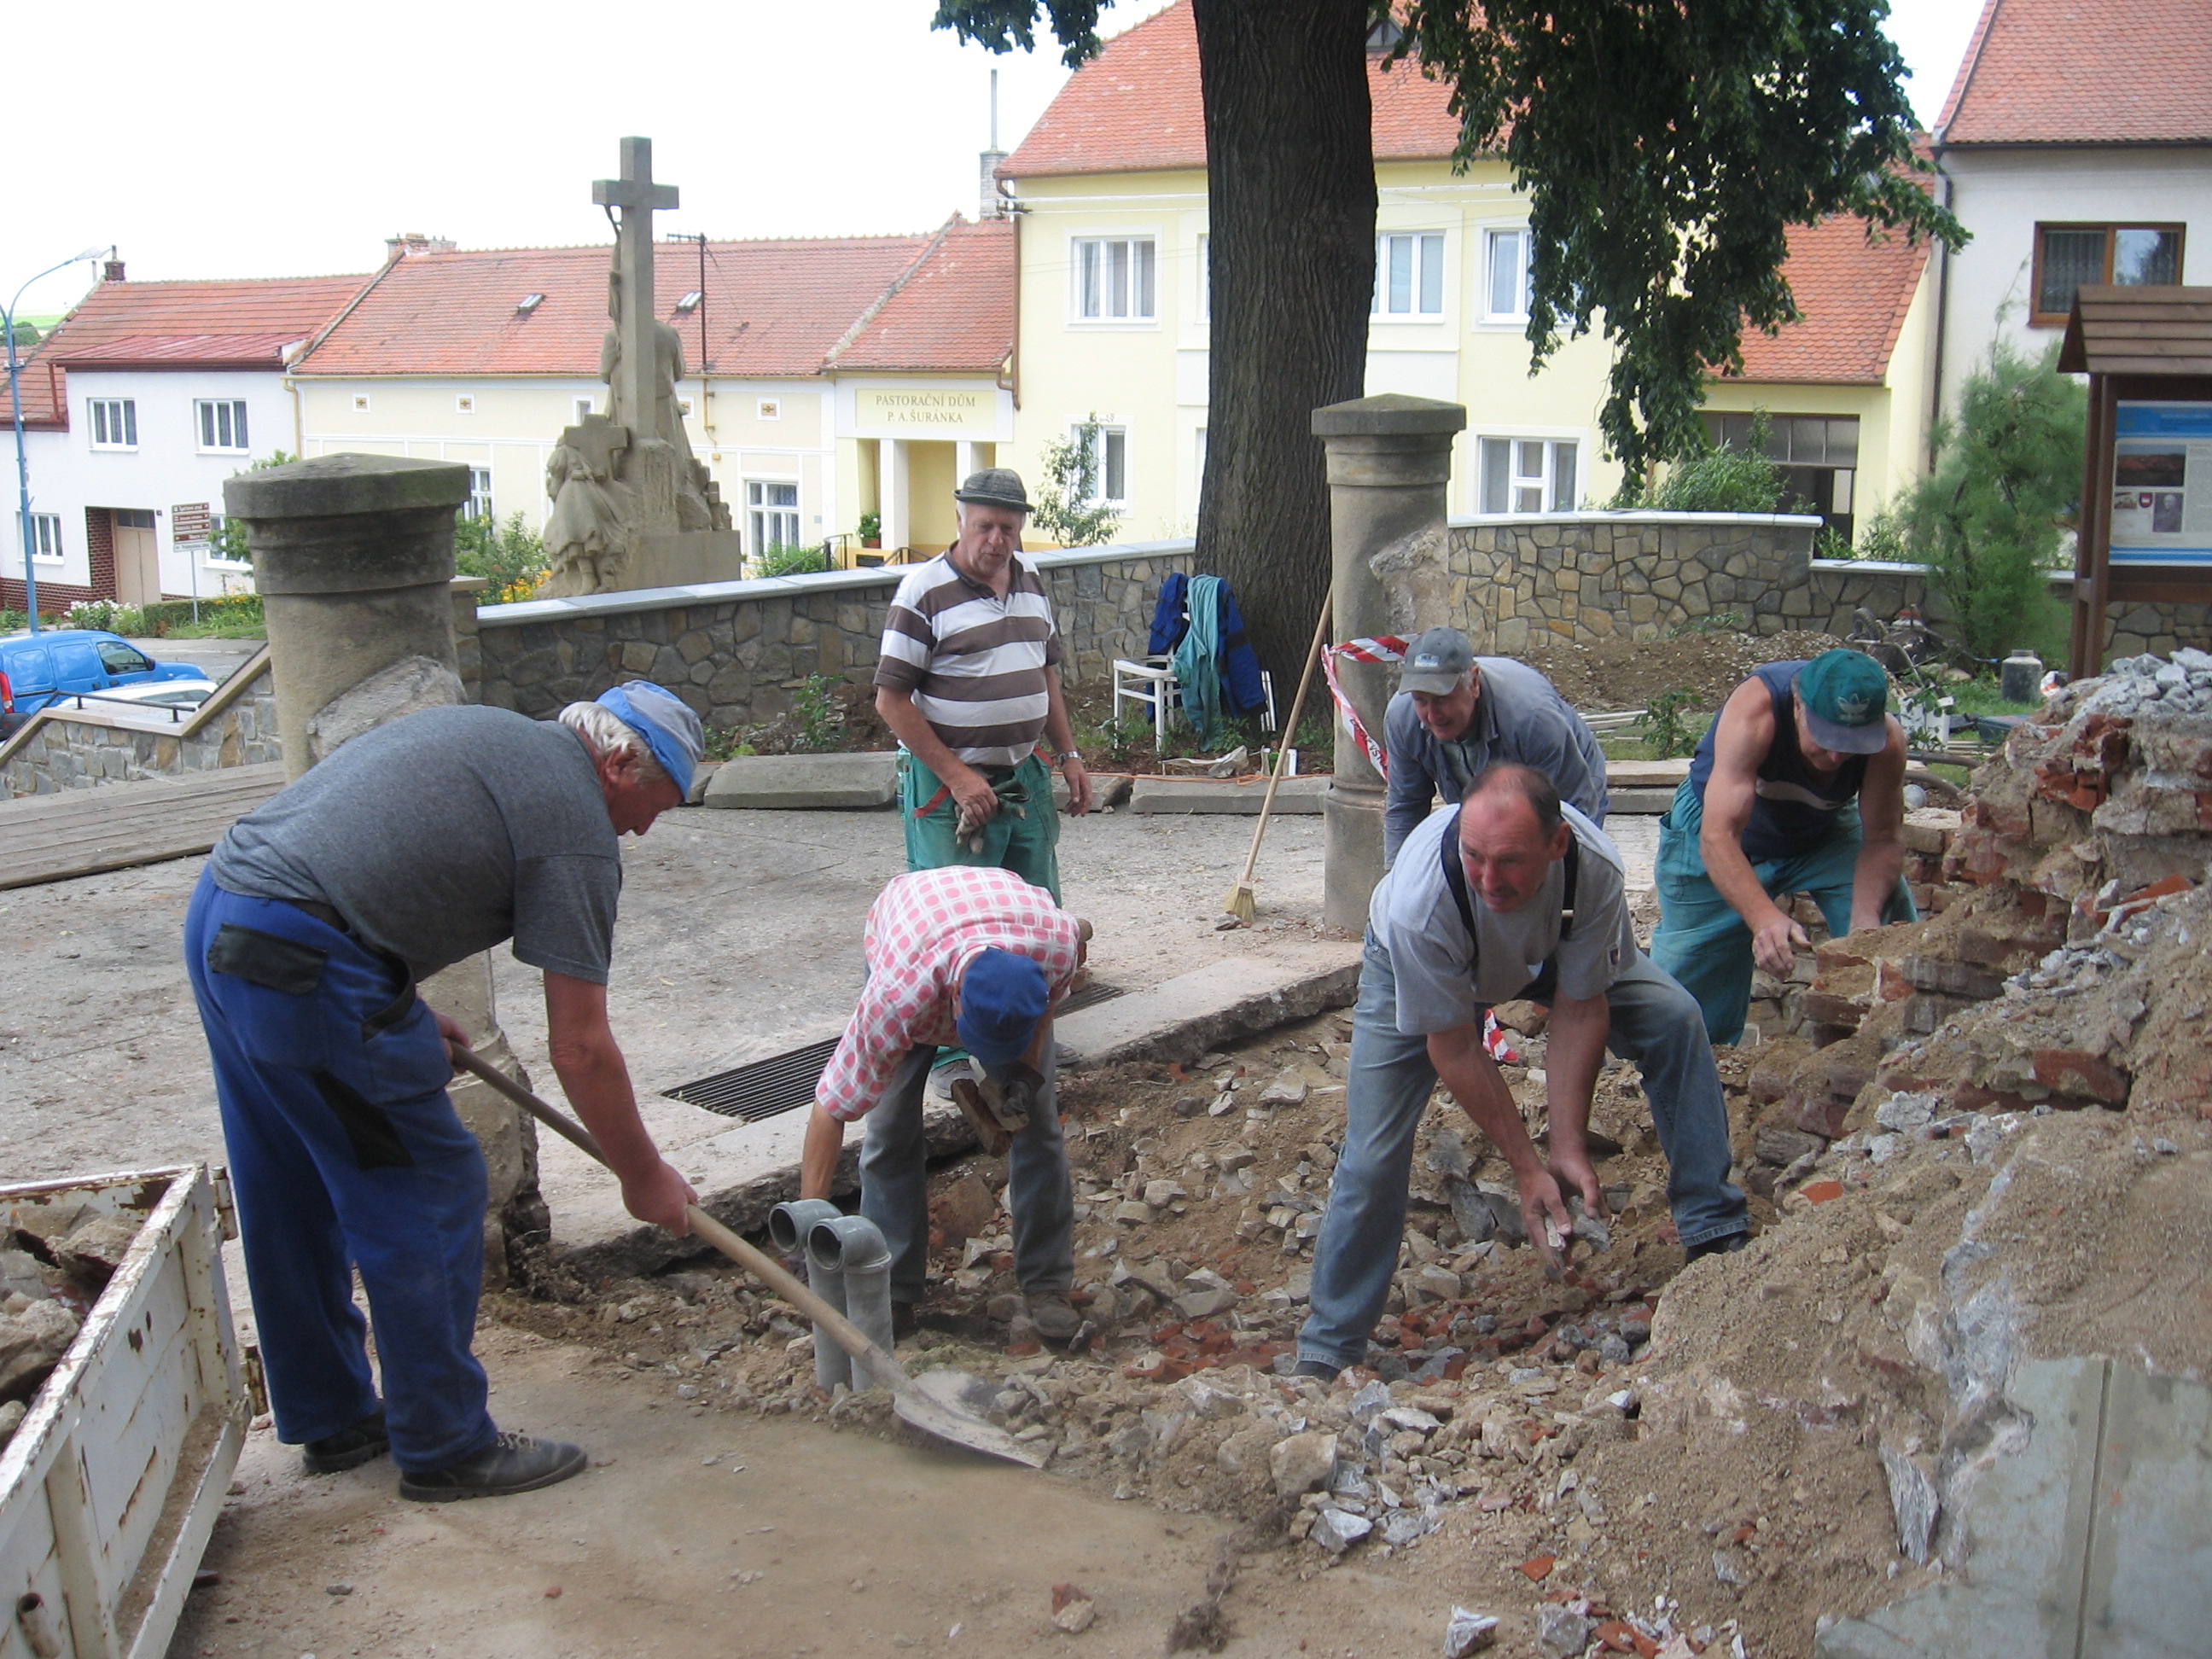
1794, 807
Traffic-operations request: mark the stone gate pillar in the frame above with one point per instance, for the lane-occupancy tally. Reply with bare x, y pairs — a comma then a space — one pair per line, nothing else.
353, 556
1389, 458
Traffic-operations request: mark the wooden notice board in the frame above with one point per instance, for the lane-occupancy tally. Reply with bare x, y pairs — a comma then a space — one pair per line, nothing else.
2145, 531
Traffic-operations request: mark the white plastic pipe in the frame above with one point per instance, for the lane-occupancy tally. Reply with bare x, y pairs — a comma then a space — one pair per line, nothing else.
852, 1246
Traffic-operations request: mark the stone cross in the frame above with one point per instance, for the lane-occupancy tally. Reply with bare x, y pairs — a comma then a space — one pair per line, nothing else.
636, 390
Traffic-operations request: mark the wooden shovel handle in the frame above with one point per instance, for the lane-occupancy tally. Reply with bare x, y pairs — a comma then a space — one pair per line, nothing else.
882, 1366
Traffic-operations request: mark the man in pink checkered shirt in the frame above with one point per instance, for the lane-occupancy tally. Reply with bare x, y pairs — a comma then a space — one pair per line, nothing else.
974, 956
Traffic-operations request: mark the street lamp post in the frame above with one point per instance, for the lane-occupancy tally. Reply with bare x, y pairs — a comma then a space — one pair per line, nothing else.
15, 409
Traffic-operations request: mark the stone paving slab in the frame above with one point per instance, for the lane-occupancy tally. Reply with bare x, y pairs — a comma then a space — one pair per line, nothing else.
2092, 1542
1240, 795
787, 783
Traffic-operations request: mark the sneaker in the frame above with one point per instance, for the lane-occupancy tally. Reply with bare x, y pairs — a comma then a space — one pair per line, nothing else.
512, 1463
1054, 1316
942, 1078
1320, 1370
1726, 1245
349, 1449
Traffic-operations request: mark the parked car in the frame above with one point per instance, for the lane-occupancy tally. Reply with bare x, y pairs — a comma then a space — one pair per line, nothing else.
35, 667
181, 695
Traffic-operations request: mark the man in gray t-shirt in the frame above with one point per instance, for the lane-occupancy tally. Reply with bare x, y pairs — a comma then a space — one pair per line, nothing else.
418, 843
1509, 894
1457, 712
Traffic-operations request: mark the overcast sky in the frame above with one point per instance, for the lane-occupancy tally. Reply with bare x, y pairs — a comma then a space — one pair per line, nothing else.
262, 139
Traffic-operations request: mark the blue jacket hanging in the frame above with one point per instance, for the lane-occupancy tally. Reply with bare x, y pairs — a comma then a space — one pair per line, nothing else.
1237, 665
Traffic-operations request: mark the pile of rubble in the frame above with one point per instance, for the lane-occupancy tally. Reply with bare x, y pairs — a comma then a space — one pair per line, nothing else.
58, 1258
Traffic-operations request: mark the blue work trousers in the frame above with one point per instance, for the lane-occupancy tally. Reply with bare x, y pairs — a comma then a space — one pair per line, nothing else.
895, 1183
345, 1152
1703, 943
1389, 1083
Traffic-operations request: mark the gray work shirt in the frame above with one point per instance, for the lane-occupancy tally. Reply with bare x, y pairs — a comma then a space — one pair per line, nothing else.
1414, 915
1520, 716
440, 834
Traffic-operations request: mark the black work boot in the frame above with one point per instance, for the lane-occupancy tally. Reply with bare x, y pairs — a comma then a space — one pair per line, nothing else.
347, 1449
512, 1463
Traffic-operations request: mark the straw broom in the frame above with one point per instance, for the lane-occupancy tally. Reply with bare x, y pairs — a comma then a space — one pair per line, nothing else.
1242, 903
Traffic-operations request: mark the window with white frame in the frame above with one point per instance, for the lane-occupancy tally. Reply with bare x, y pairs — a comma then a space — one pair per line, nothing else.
583, 407
222, 423
45, 536
1409, 274
1109, 455
1527, 475
478, 505
1505, 275
1114, 279
114, 422
773, 509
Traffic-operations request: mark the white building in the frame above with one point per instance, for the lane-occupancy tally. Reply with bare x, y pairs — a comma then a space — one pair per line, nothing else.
2076, 146
136, 409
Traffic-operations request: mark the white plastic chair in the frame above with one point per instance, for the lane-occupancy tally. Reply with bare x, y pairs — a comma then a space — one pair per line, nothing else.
1152, 683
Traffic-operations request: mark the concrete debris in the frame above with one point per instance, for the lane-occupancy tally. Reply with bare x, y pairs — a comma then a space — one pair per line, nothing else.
32, 1343
1288, 1089
1468, 1632
1303, 1463
1912, 1498
1072, 1611
1562, 1632
1337, 1530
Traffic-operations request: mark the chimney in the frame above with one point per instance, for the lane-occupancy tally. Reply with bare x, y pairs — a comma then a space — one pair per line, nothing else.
411, 243
112, 271
990, 204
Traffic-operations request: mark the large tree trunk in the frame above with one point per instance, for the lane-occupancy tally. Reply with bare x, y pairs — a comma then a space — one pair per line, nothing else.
1290, 180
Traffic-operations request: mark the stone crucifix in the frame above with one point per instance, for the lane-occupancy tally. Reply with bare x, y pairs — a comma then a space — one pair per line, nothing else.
636, 375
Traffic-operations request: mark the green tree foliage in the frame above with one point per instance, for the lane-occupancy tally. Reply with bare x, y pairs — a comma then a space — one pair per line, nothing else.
1067, 507
2006, 484
229, 539
510, 556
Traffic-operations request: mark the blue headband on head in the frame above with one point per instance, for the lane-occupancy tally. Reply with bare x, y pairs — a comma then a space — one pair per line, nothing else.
669, 727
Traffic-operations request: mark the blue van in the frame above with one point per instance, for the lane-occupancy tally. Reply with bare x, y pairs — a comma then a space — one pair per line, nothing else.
35, 668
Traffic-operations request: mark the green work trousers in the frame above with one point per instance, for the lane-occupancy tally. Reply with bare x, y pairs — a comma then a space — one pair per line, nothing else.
1028, 845
1702, 944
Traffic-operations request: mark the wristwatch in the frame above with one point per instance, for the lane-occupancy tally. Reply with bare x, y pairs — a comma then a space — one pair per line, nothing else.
1065, 756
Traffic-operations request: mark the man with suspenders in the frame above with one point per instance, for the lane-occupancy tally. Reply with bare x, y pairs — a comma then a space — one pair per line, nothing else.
1798, 786
1509, 894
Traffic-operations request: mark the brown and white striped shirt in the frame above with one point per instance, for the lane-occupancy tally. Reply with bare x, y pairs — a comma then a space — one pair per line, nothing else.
973, 663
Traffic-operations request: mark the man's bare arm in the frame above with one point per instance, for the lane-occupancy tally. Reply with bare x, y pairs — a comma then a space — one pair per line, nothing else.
968, 786
1746, 733
1882, 820
1471, 1076
1060, 732
593, 1073
818, 1159
1574, 1049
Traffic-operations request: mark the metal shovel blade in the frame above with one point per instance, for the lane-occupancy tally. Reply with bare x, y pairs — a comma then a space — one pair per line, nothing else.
950, 1404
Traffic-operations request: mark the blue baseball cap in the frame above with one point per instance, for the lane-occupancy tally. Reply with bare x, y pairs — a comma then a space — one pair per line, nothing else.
1003, 995
666, 723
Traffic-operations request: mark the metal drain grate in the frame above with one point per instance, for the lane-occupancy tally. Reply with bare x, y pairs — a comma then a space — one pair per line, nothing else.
784, 1082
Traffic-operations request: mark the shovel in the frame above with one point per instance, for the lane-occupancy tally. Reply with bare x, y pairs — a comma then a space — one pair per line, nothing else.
938, 1402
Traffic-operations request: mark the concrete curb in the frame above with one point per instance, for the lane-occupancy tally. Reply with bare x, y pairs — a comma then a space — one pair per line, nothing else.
1225, 1007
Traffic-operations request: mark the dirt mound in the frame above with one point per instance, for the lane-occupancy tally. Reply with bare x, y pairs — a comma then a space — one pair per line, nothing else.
1605, 675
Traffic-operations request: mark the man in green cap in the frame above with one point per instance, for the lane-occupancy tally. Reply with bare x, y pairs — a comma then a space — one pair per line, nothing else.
1797, 788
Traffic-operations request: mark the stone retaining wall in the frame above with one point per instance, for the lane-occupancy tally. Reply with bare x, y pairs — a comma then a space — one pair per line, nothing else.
77, 748
736, 651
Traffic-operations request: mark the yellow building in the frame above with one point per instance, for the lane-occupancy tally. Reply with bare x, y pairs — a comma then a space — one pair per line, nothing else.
824, 379
1111, 191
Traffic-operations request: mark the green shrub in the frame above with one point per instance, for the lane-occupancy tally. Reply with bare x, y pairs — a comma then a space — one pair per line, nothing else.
1713, 479
510, 556
793, 561
1665, 733
1067, 509
2007, 481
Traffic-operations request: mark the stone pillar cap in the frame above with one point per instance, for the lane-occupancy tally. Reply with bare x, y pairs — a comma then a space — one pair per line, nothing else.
330, 486
1392, 414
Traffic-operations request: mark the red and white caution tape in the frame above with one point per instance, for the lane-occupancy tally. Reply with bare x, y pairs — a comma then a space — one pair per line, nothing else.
1384, 647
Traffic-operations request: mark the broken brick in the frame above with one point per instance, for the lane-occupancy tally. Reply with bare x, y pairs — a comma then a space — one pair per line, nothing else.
1539, 1567
1820, 1192
1956, 979
2078, 1072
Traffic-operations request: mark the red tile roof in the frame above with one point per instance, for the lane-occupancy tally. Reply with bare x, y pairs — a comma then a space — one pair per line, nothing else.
1136, 108
285, 309
263, 350
953, 312
2084, 72
1854, 293
773, 309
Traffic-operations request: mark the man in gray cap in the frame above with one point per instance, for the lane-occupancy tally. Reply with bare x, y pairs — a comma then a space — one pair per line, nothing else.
424, 840
967, 680
1456, 715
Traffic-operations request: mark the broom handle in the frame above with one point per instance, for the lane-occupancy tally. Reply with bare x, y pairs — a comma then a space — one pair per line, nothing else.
1282, 747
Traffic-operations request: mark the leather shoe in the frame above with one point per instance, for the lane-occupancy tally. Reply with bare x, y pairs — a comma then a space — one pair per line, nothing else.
512, 1463
1054, 1316
349, 1449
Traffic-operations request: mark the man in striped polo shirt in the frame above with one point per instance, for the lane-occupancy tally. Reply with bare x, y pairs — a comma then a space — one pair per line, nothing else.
968, 681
